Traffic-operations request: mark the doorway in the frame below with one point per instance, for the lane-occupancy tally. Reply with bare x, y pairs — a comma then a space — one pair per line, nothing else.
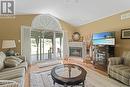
45, 39
46, 45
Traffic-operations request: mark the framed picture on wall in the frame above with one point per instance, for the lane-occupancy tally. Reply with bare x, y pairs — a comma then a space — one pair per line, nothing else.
125, 33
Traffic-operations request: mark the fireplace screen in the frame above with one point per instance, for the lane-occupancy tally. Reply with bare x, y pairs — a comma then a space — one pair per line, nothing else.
75, 51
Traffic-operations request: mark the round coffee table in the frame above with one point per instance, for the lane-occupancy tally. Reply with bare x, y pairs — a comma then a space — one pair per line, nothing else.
68, 75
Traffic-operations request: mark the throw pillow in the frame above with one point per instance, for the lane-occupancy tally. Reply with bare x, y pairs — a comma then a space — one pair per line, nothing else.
15, 58
1, 65
2, 58
11, 63
22, 57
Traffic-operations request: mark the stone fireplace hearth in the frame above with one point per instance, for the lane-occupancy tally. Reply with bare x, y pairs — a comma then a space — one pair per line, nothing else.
77, 49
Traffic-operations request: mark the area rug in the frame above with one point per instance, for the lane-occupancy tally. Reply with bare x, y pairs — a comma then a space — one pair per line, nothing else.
43, 79
93, 79
49, 63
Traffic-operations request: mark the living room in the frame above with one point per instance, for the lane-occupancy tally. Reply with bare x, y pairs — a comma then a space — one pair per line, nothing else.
48, 41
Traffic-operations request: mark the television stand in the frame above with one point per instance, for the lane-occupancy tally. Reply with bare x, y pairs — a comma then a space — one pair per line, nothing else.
101, 53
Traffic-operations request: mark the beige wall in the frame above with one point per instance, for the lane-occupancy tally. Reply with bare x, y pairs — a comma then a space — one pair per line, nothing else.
10, 28
68, 28
112, 23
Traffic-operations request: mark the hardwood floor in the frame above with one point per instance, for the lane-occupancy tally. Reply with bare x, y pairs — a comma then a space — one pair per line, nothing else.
78, 61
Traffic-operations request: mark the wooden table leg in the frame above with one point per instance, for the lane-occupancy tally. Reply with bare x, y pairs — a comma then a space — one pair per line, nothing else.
53, 82
65, 85
83, 84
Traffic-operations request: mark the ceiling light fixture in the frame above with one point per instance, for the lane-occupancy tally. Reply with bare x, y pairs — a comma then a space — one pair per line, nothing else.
71, 1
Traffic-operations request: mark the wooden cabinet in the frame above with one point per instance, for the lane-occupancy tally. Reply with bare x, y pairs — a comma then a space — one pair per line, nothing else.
101, 53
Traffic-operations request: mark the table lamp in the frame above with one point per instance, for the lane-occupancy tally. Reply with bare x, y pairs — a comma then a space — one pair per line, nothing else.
9, 44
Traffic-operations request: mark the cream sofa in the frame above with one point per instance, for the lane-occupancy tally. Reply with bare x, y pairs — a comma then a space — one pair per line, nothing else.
15, 74
119, 68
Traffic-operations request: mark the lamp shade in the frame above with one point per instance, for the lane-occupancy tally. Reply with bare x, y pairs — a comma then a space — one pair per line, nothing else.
8, 44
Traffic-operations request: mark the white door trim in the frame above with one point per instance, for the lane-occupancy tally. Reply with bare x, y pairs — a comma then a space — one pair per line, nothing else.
26, 42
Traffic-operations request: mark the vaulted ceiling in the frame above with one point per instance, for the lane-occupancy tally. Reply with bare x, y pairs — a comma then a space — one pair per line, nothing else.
75, 12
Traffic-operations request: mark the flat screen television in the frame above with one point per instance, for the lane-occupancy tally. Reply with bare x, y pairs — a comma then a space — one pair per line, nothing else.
104, 38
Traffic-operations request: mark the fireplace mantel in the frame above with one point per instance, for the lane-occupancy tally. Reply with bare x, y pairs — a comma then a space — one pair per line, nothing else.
79, 44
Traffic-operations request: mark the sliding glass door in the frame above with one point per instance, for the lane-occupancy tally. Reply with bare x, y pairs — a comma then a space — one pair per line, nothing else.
46, 45
36, 46
58, 39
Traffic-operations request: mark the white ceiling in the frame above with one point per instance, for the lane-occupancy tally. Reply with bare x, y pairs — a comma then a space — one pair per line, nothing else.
75, 12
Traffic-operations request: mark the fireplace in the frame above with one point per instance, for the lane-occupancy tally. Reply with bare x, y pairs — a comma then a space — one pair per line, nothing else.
75, 51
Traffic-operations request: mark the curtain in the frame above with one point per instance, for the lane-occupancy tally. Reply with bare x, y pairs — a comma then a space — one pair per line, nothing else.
25, 42
65, 45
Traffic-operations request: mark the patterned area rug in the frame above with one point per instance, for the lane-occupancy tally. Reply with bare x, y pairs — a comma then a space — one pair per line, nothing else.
43, 79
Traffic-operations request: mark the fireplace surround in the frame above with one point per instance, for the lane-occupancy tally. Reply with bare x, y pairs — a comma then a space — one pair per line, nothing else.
77, 49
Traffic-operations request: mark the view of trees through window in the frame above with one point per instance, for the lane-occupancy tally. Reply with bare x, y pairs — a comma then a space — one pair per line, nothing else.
43, 44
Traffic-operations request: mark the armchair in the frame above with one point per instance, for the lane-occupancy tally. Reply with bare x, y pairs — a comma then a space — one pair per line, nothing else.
119, 68
12, 70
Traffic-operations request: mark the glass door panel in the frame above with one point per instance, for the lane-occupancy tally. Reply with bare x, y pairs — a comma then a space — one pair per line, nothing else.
36, 46
48, 45
58, 44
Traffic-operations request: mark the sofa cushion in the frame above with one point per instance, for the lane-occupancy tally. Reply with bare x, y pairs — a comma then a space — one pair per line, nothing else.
116, 68
1, 65
125, 72
20, 81
22, 57
15, 58
127, 59
115, 60
8, 83
2, 58
11, 74
21, 65
11, 62
122, 70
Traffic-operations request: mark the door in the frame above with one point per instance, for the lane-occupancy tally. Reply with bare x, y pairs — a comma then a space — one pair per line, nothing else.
25, 43
48, 45
58, 40
36, 46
